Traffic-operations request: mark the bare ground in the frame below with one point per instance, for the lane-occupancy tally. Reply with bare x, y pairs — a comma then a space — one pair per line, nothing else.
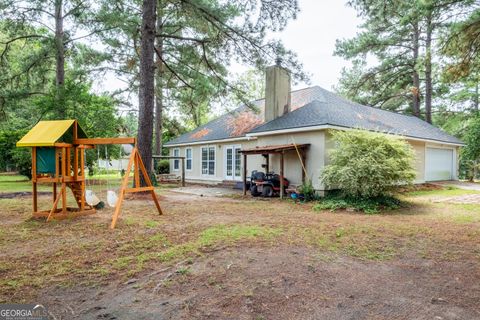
230, 258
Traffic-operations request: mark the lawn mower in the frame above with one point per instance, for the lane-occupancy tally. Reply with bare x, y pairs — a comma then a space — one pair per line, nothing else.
266, 185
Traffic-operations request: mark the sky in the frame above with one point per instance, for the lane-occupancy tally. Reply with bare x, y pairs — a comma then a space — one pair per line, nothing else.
313, 34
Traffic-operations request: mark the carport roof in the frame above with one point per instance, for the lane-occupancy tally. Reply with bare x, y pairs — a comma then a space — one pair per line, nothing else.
275, 149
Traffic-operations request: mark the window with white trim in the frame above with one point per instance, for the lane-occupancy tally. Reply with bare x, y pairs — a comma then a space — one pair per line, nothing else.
208, 161
176, 162
188, 158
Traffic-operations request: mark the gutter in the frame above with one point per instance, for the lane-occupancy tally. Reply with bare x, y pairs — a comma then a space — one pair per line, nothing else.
248, 138
335, 127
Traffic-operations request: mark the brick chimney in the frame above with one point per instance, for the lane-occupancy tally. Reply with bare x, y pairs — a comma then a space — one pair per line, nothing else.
277, 92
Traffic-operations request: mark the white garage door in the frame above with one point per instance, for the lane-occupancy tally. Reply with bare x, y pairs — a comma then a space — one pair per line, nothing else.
439, 164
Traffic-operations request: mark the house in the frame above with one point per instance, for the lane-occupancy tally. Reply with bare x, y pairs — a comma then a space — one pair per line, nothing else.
213, 151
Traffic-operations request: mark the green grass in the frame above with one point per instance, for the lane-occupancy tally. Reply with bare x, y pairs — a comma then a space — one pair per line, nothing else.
98, 183
142, 250
17, 183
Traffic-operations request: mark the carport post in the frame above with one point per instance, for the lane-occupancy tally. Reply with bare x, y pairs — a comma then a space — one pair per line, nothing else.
244, 174
183, 171
281, 175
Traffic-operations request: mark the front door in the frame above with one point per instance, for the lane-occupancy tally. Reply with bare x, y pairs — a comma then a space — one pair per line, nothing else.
233, 163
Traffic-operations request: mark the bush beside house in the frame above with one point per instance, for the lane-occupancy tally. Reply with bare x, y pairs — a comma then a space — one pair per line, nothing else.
366, 167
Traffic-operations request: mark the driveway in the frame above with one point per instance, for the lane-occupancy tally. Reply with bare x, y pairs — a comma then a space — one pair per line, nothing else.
459, 184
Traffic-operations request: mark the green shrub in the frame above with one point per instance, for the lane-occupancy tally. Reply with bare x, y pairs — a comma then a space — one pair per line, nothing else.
12, 157
308, 191
162, 167
367, 205
365, 164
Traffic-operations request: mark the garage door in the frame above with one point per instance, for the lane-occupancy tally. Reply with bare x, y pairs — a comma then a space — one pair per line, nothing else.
439, 164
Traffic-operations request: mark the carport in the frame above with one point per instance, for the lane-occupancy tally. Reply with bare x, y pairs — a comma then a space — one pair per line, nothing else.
266, 151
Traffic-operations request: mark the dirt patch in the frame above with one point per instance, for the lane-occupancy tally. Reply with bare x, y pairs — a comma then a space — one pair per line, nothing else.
228, 258
284, 283
12, 195
421, 187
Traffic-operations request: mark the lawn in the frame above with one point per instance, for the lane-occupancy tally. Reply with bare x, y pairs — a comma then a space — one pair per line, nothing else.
229, 257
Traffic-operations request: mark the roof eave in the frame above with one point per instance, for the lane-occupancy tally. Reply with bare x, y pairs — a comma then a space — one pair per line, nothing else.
329, 126
181, 144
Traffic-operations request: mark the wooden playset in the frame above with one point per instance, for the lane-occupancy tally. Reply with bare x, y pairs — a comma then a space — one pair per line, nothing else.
58, 158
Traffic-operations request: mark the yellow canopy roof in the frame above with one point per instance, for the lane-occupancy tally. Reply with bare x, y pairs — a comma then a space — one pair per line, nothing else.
45, 133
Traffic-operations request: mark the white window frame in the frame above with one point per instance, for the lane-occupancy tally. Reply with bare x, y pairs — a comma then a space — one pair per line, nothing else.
233, 177
208, 160
176, 161
186, 159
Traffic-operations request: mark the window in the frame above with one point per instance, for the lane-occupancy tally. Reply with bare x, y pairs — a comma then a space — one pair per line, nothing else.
188, 158
229, 162
238, 162
176, 162
208, 161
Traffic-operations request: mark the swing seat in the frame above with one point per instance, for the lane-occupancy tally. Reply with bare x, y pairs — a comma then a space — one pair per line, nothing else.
112, 198
91, 198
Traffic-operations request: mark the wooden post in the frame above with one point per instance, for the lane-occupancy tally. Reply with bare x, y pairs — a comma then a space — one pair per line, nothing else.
281, 175
57, 177
122, 189
34, 178
244, 174
267, 163
183, 172
64, 173
82, 173
304, 166
68, 170
75, 163
149, 183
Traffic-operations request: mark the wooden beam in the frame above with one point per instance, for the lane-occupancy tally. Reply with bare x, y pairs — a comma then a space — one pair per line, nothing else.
304, 165
167, 157
183, 172
267, 160
64, 185
54, 208
281, 175
149, 183
140, 189
245, 175
63, 145
122, 189
34, 178
123, 140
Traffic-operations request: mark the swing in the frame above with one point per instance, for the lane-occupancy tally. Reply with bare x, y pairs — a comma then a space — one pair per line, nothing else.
90, 196
112, 196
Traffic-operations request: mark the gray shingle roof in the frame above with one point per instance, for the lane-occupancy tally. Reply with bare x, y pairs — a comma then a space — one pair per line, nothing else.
316, 106
221, 128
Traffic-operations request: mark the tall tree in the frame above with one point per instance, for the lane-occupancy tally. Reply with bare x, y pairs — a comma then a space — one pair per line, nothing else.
401, 36
43, 19
146, 92
197, 40
159, 81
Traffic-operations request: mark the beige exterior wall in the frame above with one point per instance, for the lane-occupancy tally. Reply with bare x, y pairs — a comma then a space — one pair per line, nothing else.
195, 175
317, 157
419, 149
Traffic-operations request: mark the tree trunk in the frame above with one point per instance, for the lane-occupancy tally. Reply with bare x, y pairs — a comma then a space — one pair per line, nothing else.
146, 92
428, 70
60, 59
415, 75
159, 84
